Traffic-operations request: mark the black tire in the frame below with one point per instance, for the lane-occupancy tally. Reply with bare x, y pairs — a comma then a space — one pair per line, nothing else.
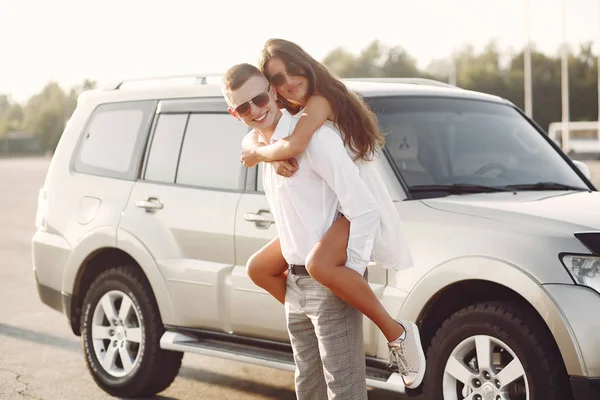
520, 329
155, 369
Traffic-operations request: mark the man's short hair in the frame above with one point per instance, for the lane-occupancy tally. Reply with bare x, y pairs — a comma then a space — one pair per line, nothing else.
236, 76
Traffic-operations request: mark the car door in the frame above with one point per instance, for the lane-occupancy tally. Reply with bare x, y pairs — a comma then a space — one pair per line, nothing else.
254, 311
254, 227
183, 206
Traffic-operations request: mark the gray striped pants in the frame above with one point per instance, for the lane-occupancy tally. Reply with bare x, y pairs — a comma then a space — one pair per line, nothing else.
327, 341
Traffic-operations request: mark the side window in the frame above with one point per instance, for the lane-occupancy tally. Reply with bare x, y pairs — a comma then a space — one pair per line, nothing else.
113, 139
210, 155
259, 178
161, 164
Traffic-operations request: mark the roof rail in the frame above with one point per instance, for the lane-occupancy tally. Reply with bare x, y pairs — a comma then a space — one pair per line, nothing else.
199, 78
414, 81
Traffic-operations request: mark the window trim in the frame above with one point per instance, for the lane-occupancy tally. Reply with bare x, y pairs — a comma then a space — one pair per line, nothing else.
148, 107
142, 175
251, 184
190, 106
193, 105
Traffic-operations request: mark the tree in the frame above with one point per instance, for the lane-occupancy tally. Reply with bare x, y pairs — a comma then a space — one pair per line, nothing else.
489, 71
11, 115
46, 113
374, 61
12, 119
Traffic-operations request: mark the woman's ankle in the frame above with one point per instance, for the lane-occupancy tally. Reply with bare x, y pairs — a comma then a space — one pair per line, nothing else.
395, 332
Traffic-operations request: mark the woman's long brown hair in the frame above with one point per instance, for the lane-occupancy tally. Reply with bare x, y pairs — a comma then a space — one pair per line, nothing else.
353, 116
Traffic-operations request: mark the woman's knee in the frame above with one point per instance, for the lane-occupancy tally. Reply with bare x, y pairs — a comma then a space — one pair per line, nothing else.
254, 270
319, 267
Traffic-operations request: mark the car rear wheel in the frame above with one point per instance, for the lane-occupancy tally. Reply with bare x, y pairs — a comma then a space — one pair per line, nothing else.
121, 330
494, 351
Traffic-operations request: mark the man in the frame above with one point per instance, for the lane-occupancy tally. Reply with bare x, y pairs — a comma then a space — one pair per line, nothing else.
325, 332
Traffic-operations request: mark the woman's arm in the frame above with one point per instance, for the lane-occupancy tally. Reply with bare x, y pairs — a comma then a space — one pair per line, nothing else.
251, 140
316, 112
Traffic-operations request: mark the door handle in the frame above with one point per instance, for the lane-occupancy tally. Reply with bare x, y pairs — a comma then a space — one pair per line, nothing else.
262, 218
152, 204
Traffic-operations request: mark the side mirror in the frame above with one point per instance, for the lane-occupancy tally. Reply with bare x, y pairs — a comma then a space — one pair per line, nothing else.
583, 168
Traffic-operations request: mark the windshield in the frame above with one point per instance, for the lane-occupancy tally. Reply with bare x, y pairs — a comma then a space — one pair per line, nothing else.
449, 141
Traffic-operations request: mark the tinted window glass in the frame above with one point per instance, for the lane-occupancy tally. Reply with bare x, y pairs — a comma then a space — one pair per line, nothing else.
441, 141
113, 138
259, 178
210, 156
166, 144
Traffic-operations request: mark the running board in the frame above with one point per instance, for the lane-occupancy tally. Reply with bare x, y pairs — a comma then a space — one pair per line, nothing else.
260, 354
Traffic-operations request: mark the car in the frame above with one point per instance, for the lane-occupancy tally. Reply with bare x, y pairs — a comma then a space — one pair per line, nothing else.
582, 141
146, 220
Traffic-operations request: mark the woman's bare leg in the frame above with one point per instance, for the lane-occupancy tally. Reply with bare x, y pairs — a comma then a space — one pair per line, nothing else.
326, 264
267, 269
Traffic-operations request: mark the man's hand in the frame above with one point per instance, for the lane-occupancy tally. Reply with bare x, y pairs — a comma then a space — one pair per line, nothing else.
250, 158
285, 168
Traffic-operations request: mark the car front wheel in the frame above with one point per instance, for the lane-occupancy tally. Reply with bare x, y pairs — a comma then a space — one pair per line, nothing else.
494, 351
121, 330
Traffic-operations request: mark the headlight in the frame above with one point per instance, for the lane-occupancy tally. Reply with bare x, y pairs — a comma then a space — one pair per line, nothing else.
585, 270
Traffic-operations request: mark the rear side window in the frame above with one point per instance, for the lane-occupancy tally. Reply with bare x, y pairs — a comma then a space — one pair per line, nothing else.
114, 138
210, 152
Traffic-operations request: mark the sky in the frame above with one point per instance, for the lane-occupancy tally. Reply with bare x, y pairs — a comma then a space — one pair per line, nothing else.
70, 40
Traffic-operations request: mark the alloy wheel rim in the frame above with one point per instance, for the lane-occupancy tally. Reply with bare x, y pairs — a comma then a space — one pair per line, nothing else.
483, 367
117, 334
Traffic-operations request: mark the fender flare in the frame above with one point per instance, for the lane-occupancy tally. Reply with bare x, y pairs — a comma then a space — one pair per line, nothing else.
509, 275
110, 237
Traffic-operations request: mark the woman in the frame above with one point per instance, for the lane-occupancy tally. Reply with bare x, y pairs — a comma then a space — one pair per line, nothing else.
306, 87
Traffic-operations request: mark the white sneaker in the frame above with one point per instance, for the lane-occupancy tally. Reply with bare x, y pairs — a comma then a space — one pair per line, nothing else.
407, 353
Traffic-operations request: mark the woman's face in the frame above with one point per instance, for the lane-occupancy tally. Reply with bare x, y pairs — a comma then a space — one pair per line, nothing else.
293, 87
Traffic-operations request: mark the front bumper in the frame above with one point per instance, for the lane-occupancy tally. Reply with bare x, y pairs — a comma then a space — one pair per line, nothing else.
578, 305
585, 388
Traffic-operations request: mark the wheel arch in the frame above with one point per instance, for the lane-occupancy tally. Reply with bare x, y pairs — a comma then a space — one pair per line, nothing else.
93, 265
101, 252
446, 289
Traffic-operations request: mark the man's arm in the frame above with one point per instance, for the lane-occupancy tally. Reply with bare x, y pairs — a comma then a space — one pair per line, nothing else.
329, 158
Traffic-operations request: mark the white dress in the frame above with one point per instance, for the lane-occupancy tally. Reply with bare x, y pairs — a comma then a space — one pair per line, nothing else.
391, 249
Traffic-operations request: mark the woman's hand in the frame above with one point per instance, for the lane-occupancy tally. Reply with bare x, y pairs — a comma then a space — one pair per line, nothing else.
250, 158
285, 168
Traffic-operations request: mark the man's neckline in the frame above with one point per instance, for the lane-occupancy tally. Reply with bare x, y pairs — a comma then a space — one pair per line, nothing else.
280, 130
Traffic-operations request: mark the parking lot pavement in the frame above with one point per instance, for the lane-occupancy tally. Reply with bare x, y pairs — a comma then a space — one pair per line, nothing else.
40, 358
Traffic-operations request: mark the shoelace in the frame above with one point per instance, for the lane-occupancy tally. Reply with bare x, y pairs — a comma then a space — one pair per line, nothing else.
398, 357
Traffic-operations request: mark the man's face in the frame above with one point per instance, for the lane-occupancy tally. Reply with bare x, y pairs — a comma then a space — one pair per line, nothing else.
244, 99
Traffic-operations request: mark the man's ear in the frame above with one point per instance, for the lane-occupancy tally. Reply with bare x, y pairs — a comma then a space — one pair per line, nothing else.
233, 113
274, 93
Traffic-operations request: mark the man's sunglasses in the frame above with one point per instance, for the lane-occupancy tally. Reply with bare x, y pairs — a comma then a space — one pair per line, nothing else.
278, 79
260, 100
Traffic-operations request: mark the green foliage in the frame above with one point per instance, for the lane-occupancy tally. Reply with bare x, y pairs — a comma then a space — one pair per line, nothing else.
489, 71
44, 114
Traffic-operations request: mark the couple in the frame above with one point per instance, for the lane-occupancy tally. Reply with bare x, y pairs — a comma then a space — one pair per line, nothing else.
333, 216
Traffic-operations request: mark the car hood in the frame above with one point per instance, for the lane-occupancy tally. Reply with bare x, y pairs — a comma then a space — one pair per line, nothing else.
555, 210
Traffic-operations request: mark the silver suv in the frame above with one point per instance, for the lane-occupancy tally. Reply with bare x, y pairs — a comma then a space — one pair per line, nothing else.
146, 220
